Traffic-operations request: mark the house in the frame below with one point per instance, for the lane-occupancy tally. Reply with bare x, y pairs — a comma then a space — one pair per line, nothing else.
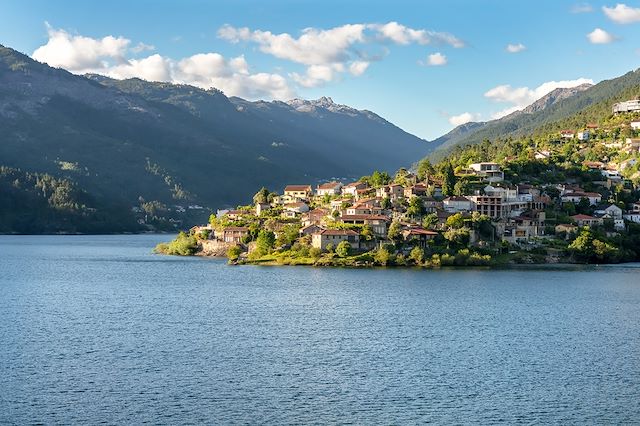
417, 190
235, 214
314, 217
567, 134
392, 191
522, 227
627, 106
566, 228
627, 163
500, 201
583, 136
353, 187
635, 125
489, 171
377, 223
310, 230
262, 207
632, 145
542, 155
586, 220
331, 188
418, 235
592, 126
594, 165
294, 209
293, 193
457, 204
232, 234
431, 204
321, 239
364, 208
575, 197
612, 211
632, 216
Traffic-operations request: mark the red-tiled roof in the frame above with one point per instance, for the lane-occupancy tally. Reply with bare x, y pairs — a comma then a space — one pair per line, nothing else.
329, 185
421, 231
338, 232
297, 188
582, 217
363, 217
236, 228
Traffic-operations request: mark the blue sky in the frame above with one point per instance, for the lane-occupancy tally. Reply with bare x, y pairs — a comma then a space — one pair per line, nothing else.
351, 53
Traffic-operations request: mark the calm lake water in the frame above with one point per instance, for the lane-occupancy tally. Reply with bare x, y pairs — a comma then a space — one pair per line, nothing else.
98, 329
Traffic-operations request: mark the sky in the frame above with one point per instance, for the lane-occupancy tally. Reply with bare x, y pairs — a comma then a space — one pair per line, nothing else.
426, 66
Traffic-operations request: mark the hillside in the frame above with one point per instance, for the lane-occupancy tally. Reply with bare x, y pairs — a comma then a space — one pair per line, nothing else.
132, 142
573, 107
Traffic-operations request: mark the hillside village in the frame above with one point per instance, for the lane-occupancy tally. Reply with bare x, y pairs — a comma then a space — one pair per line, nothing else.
572, 196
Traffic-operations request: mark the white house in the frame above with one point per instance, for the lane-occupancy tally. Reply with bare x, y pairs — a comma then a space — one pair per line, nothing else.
352, 188
489, 171
583, 136
575, 197
330, 188
635, 125
321, 239
457, 204
627, 106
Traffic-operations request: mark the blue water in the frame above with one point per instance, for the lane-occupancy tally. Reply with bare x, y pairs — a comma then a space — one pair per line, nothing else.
98, 329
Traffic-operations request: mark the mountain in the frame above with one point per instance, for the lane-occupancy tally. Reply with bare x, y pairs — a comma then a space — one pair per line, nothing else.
129, 142
559, 108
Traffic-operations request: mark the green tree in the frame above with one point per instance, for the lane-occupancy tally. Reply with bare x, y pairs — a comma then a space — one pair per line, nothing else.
264, 243
461, 188
394, 231
455, 221
366, 233
417, 255
343, 249
385, 203
382, 256
424, 169
234, 252
416, 207
448, 180
262, 196
430, 221
457, 237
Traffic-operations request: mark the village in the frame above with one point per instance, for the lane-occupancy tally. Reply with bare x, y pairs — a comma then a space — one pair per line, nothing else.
482, 210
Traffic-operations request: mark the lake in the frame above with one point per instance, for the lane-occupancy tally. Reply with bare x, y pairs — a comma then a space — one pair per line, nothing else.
98, 329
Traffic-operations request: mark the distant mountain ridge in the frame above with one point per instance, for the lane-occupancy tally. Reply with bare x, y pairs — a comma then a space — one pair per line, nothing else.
461, 133
177, 144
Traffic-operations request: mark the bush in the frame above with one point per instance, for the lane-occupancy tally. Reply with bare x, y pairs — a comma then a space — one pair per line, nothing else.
343, 249
315, 252
182, 245
234, 252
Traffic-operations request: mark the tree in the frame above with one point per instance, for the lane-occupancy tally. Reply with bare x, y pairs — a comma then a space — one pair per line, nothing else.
448, 180
455, 221
417, 255
457, 237
288, 235
424, 169
265, 242
416, 207
366, 233
382, 256
262, 196
379, 179
430, 221
385, 203
401, 177
343, 249
461, 188
234, 252
394, 231
329, 248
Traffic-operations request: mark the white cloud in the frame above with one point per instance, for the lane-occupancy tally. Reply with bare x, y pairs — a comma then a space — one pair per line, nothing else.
600, 36
401, 34
515, 48
76, 52
521, 97
436, 59
463, 118
327, 53
141, 47
622, 14
582, 8
108, 56
358, 68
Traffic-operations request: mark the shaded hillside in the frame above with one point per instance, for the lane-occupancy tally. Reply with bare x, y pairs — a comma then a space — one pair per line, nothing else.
132, 141
588, 104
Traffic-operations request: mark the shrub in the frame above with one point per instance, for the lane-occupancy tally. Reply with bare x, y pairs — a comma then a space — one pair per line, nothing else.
343, 249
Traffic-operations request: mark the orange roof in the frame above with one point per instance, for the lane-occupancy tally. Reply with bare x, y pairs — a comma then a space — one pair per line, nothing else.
297, 188
329, 185
338, 232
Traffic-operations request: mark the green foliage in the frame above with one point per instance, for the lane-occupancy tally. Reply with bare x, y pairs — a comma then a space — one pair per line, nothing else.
457, 237
234, 252
448, 179
430, 221
343, 249
417, 255
183, 245
382, 256
455, 221
416, 207
262, 196
394, 231
264, 243
385, 203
